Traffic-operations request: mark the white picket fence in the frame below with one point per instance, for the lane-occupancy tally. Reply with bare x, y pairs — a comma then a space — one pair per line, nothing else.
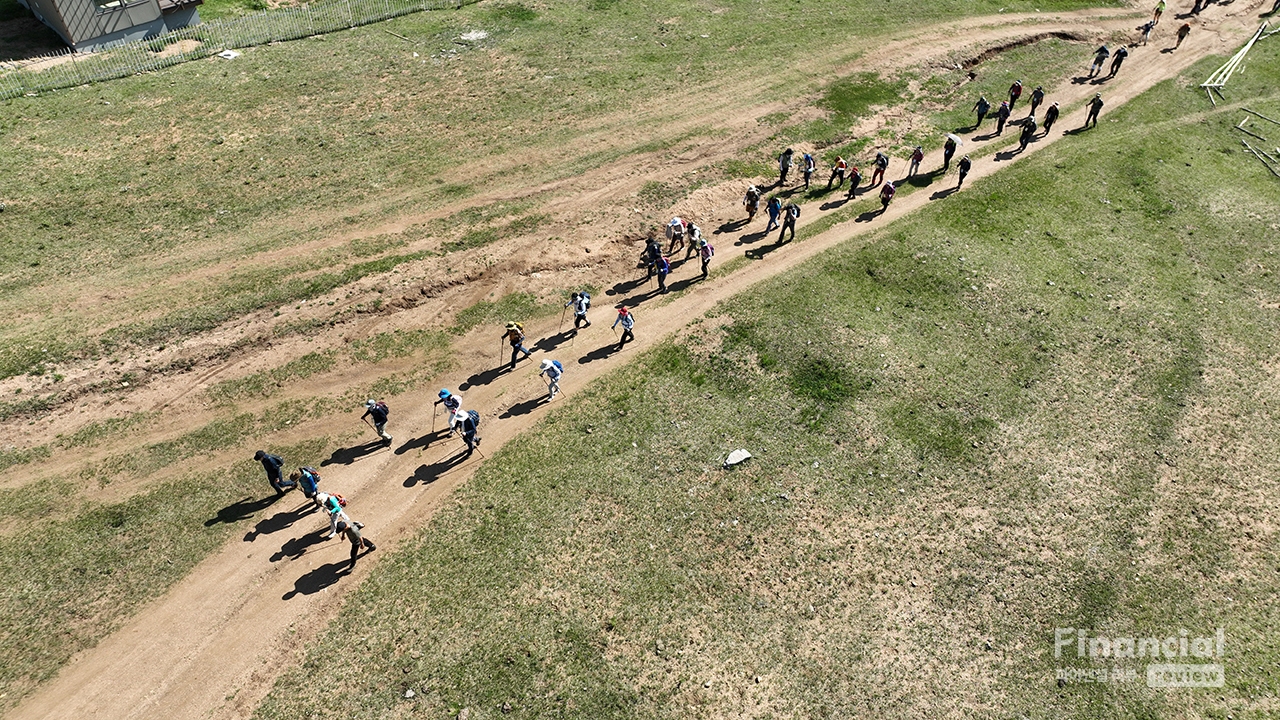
69, 69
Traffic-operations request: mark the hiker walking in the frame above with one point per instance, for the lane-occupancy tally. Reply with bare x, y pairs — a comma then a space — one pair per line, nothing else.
1155, 16
308, 480
695, 237
515, 335
580, 302
1050, 117
784, 165
809, 166
1037, 97
982, 107
471, 430
378, 412
1146, 29
1099, 57
333, 506
552, 370
1028, 131
1015, 92
451, 404
664, 269
948, 150
855, 179
886, 195
358, 541
917, 156
1002, 116
652, 251
1117, 59
774, 208
790, 214
837, 172
1095, 106
882, 164
628, 322
1183, 32
751, 201
964, 166
675, 233
705, 251
272, 464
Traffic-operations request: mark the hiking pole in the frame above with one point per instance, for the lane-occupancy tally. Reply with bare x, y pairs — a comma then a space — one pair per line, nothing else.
433, 418
561, 325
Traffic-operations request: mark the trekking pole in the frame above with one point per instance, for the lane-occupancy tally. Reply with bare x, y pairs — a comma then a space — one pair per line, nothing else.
500, 352
433, 419
561, 325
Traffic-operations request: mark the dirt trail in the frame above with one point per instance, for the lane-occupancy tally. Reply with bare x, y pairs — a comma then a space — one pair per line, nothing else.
211, 647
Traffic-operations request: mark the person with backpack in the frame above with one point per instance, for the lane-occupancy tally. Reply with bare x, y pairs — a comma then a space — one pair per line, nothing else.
881, 165
1037, 97
917, 157
1183, 32
695, 237
1050, 117
809, 166
358, 542
948, 151
1015, 92
855, 179
308, 480
1028, 131
751, 201
451, 404
675, 233
1099, 57
333, 506
581, 302
982, 107
1002, 116
705, 251
272, 464
652, 251
1117, 58
965, 164
664, 269
774, 208
790, 214
837, 172
471, 430
378, 411
628, 322
552, 369
1095, 106
784, 165
515, 336
886, 196
1146, 29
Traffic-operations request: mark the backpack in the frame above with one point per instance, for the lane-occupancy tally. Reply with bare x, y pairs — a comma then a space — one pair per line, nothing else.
586, 300
475, 418
794, 211
559, 367
664, 266
309, 474
383, 407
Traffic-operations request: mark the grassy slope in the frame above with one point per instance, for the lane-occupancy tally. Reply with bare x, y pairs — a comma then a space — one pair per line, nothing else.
1044, 402
125, 184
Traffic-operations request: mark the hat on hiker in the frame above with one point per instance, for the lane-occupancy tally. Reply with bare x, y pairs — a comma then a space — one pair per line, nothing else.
259, 455
622, 310
444, 393
342, 526
546, 365
370, 403
1098, 95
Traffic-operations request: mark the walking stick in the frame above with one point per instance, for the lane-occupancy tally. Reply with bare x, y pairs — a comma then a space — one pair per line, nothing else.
433, 419
561, 325
500, 351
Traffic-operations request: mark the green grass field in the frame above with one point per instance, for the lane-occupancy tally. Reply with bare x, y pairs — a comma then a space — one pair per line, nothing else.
1044, 402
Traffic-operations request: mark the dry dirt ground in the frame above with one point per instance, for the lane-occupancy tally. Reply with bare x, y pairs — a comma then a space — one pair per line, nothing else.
212, 645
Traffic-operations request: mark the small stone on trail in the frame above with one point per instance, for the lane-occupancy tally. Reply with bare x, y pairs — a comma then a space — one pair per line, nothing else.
409, 693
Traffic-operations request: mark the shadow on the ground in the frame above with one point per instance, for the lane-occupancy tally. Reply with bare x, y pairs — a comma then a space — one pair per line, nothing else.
346, 456
424, 441
242, 509
427, 474
313, 582
294, 548
280, 521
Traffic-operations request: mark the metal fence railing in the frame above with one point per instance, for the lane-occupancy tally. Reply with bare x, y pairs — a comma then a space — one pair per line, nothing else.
70, 69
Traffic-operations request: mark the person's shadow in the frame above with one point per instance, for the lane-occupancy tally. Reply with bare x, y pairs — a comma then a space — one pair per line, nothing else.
753, 237
424, 441
294, 548
833, 204
346, 456
322, 577
1079, 79
944, 193
731, 226
524, 408
551, 342
1076, 131
279, 521
1006, 155
869, 215
427, 474
758, 253
627, 286
599, 353
484, 377
241, 510
1167, 51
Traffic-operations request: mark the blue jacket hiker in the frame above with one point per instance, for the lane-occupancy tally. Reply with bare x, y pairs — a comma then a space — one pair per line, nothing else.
471, 430
774, 206
552, 369
272, 464
307, 479
378, 412
628, 322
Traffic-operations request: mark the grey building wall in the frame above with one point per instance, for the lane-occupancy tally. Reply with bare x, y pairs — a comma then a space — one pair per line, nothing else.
86, 26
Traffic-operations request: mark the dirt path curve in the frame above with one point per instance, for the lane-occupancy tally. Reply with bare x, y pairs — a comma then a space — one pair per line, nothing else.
212, 646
